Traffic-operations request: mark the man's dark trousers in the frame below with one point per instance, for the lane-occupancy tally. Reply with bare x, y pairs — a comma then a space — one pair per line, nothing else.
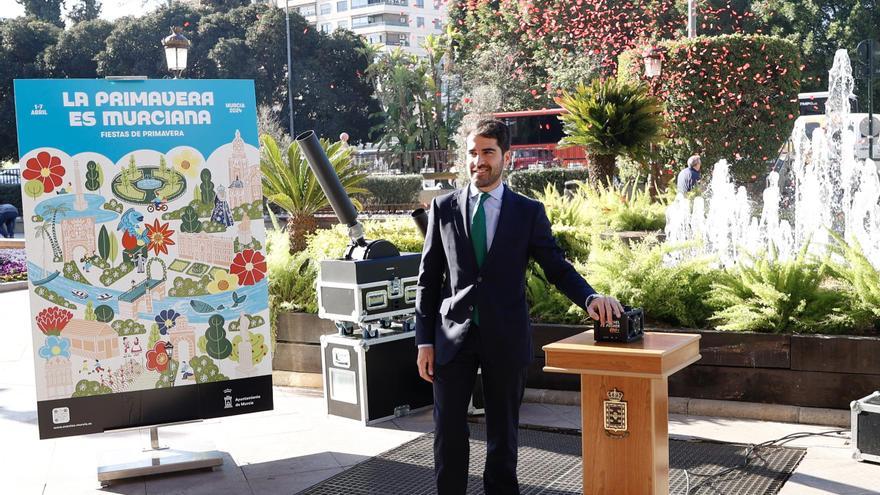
503, 387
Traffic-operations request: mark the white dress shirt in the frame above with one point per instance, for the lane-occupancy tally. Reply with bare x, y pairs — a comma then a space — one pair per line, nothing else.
492, 208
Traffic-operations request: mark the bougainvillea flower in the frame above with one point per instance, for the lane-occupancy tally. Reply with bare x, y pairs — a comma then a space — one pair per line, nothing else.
249, 266
222, 282
159, 237
46, 168
187, 162
166, 319
55, 346
157, 358
53, 320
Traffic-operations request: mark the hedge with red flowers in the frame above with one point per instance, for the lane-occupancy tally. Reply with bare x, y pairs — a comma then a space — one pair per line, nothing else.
732, 96
542, 36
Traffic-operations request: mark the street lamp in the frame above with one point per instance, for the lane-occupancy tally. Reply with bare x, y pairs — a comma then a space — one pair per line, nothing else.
869, 57
692, 19
289, 68
176, 47
653, 61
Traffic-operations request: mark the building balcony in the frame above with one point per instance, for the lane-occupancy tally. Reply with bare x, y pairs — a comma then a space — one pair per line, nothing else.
360, 4
379, 20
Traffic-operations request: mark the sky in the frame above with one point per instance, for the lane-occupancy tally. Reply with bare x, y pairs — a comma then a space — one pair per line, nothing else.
111, 9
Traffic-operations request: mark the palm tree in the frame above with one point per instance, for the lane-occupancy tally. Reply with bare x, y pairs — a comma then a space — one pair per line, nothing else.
610, 118
53, 238
289, 183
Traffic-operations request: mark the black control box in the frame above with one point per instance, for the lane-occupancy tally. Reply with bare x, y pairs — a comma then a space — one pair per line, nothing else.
628, 328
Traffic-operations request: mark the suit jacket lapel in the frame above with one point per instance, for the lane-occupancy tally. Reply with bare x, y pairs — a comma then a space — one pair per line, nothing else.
463, 227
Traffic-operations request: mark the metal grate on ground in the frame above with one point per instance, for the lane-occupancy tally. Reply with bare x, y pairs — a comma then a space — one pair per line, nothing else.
550, 464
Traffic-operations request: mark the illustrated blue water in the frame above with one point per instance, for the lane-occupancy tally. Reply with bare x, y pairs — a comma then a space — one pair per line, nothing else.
148, 184
93, 201
257, 298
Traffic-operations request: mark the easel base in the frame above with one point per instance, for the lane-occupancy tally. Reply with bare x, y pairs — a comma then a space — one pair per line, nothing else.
180, 461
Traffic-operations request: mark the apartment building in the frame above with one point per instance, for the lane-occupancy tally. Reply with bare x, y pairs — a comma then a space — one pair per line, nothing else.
390, 23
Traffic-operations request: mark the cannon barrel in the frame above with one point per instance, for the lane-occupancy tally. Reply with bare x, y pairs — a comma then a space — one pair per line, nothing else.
420, 217
329, 181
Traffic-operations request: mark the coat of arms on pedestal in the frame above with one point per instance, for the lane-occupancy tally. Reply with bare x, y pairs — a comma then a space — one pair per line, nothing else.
615, 415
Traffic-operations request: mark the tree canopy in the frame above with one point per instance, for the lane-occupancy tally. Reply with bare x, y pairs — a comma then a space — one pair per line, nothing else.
230, 39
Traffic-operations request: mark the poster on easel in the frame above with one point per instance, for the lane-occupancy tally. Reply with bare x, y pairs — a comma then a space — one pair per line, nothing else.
146, 251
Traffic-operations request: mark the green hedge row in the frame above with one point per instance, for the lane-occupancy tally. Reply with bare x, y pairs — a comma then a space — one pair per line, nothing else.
531, 182
11, 193
392, 189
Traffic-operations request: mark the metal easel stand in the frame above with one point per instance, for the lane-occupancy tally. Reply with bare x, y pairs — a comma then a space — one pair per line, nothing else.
161, 460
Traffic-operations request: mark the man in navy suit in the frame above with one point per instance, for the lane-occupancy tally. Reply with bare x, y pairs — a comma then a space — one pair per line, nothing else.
471, 309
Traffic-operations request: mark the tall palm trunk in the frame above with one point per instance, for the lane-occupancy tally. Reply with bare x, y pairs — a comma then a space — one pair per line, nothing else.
53, 240
601, 169
298, 227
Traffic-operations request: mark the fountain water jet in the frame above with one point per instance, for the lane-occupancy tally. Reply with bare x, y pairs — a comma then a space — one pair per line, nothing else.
834, 191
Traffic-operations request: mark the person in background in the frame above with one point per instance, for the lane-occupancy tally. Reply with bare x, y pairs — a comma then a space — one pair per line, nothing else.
689, 177
8, 214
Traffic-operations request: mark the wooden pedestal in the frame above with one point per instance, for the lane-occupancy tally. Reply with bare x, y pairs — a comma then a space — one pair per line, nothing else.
624, 407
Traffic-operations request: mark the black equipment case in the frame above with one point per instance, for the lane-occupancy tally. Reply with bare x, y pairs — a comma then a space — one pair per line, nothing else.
372, 380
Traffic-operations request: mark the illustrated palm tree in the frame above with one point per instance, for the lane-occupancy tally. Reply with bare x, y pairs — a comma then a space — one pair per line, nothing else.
41, 230
53, 238
610, 118
290, 183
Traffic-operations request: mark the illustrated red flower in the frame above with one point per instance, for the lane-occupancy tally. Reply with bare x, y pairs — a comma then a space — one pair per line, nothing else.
45, 168
249, 266
53, 320
157, 358
159, 237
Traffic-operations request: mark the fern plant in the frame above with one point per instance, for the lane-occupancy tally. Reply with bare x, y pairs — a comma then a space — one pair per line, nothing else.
548, 305
637, 276
766, 294
628, 208
602, 208
860, 279
570, 211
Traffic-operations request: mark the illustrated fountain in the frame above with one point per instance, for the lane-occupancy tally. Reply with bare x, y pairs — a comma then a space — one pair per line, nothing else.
833, 192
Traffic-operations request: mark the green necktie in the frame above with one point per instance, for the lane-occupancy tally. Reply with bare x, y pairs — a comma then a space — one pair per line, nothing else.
478, 239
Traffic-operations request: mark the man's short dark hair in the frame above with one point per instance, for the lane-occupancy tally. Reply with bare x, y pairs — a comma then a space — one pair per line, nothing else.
493, 128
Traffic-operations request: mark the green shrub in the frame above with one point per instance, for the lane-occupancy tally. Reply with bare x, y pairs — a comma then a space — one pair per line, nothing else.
111, 275
331, 243
548, 305
730, 96
392, 189
11, 193
128, 327
630, 209
565, 211
532, 182
292, 277
637, 276
765, 294
860, 280
574, 241
187, 287
600, 209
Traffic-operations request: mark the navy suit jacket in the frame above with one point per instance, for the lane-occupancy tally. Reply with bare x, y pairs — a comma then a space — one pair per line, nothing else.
450, 283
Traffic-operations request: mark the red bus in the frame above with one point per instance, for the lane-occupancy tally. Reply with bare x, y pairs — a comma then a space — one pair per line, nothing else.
534, 136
